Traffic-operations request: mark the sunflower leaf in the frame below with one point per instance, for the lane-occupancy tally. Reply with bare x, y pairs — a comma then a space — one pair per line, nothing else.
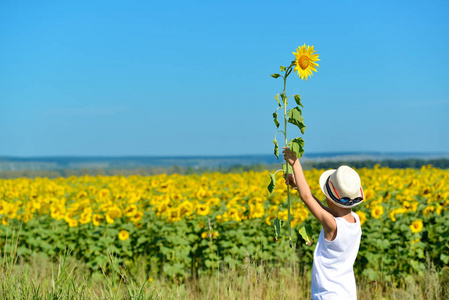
298, 100
284, 99
275, 75
287, 167
295, 118
283, 68
277, 227
297, 146
272, 183
306, 233
276, 148
275, 118
277, 99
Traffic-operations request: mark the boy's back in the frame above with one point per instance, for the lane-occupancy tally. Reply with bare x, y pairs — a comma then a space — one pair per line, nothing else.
339, 241
332, 273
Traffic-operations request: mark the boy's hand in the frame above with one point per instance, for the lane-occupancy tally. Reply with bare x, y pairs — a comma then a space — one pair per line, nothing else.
291, 181
289, 156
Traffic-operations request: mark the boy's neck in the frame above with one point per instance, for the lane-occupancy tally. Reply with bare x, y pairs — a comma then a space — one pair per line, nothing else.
342, 213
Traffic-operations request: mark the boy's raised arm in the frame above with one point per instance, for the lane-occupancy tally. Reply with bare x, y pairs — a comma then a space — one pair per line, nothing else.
324, 217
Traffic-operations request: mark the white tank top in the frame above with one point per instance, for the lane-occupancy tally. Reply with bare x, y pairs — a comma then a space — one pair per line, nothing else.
332, 273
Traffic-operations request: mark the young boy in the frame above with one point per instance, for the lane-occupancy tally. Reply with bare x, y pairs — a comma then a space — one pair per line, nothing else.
339, 240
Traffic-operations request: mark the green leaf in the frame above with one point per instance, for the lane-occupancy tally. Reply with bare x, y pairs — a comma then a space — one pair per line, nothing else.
275, 117
297, 146
276, 148
295, 118
277, 228
306, 233
298, 100
284, 99
272, 183
283, 68
275, 75
444, 258
287, 167
277, 99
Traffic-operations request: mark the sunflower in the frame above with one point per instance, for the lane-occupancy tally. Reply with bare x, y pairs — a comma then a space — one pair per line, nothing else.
123, 235
362, 217
305, 59
377, 211
97, 219
416, 226
202, 209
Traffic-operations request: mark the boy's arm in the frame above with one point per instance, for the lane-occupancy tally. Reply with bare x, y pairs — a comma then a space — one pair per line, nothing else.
321, 204
292, 183
316, 208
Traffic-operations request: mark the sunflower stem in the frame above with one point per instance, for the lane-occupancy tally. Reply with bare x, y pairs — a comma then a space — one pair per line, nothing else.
287, 72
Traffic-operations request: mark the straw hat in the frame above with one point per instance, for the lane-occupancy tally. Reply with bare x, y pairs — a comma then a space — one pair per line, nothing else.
342, 186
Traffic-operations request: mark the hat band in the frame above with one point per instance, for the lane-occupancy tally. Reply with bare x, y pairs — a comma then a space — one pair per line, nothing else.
343, 201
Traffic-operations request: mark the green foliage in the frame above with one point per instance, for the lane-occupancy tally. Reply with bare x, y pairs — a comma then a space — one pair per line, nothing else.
277, 99
306, 233
297, 146
276, 148
272, 183
295, 118
275, 118
298, 100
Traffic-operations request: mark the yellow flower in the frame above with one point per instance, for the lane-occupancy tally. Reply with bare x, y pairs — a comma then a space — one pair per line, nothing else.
97, 219
73, 223
426, 211
234, 214
112, 214
86, 216
396, 211
137, 217
202, 210
104, 193
256, 211
213, 234
185, 208
212, 202
377, 211
269, 219
123, 235
416, 226
130, 210
362, 217
305, 59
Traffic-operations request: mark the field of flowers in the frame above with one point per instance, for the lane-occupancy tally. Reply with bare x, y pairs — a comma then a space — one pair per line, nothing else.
184, 225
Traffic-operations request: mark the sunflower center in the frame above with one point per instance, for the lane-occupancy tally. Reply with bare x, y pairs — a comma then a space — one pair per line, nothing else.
303, 62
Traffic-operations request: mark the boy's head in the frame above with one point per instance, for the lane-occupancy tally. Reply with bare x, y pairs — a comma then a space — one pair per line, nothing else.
342, 187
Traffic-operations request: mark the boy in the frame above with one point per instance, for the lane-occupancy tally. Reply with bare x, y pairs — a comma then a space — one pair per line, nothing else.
339, 240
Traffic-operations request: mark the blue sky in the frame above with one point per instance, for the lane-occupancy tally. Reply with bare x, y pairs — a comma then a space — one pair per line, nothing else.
121, 78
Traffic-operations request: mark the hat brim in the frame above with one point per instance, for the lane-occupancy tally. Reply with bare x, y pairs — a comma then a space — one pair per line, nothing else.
323, 179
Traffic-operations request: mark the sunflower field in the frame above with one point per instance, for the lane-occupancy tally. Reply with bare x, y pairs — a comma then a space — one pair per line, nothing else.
183, 225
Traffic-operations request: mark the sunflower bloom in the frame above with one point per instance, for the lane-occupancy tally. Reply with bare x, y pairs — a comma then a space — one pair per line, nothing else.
123, 235
362, 217
305, 59
97, 219
416, 226
377, 211
202, 210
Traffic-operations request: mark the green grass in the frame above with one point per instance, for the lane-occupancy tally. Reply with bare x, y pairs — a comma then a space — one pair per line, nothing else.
39, 277
42, 277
